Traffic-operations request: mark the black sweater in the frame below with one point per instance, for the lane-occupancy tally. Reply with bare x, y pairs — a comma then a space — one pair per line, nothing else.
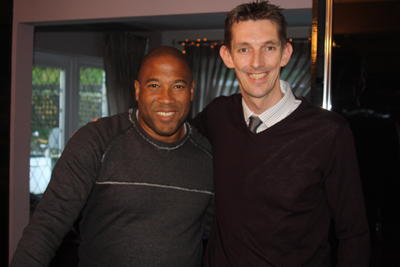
144, 202
277, 190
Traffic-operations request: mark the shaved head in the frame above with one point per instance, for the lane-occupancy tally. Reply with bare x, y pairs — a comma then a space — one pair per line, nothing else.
165, 51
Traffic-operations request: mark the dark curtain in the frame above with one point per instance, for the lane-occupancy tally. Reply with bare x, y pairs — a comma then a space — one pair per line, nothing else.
211, 75
122, 58
213, 78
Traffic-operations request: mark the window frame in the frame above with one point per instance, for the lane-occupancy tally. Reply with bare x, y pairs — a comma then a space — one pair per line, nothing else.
69, 105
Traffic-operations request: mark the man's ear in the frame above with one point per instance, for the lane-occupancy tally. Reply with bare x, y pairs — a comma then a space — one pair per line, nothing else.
286, 54
192, 91
226, 57
137, 90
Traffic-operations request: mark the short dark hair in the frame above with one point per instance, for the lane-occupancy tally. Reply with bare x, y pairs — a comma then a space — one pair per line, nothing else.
258, 10
166, 51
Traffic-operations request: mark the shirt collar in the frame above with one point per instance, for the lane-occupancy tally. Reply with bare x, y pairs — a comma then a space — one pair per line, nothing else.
276, 112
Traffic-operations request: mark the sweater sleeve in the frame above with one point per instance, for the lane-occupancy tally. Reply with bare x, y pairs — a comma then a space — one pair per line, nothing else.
201, 122
346, 202
71, 183
208, 217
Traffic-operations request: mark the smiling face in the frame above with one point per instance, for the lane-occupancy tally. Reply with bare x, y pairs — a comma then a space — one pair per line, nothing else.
257, 56
164, 92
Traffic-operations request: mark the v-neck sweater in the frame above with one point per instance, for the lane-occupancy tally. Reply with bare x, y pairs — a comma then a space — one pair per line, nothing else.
276, 191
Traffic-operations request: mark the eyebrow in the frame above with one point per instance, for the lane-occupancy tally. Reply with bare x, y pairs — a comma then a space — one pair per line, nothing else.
152, 80
264, 43
181, 81
157, 80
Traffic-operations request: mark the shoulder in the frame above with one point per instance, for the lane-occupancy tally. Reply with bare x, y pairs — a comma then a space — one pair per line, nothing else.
199, 140
321, 116
105, 128
226, 101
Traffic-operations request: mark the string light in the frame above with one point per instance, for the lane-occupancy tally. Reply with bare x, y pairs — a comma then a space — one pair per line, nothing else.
213, 43
200, 42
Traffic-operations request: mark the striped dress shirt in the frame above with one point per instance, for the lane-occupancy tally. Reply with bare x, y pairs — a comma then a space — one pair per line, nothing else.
276, 113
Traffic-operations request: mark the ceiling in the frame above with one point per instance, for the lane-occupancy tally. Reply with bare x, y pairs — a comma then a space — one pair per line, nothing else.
295, 17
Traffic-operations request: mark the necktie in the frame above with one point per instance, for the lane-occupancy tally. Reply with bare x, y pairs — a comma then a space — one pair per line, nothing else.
254, 123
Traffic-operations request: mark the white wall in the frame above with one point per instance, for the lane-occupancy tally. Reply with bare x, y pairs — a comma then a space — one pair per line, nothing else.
28, 13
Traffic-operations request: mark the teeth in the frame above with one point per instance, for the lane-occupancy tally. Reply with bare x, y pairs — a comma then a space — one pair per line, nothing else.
257, 75
165, 114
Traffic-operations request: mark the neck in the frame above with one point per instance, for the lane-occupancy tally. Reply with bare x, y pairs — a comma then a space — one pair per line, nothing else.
259, 105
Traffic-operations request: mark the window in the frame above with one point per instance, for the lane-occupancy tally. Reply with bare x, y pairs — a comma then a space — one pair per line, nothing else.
67, 93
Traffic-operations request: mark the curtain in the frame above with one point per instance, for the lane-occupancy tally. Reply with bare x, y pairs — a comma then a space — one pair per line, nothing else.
122, 58
213, 78
298, 71
211, 75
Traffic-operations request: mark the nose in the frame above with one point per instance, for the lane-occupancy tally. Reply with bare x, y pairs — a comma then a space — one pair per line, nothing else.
257, 59
166, 96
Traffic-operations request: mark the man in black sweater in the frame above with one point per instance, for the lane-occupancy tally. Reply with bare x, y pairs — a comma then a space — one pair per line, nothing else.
283, 167
141, 179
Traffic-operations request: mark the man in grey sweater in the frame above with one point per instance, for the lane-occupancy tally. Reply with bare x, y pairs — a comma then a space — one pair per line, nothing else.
142, 181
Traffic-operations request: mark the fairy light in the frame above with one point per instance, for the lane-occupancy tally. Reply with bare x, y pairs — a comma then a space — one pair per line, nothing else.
200, 42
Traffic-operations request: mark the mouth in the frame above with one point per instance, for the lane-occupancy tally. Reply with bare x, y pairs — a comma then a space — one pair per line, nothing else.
166, 114
257, 76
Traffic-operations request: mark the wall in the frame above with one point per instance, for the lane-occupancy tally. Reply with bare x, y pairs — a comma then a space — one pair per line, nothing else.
28, 14
80, 43
51, 12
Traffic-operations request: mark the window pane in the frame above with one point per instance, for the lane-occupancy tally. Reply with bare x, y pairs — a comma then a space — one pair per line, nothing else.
46, 141
92, 95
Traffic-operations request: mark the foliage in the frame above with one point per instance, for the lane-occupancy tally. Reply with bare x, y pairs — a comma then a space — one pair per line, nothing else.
45, 110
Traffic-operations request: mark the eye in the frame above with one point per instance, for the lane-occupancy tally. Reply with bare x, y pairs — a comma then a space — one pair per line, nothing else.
243, 50
269, 48
178, 86
153, 85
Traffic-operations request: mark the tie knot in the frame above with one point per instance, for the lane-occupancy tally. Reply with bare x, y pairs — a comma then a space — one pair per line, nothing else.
254, 123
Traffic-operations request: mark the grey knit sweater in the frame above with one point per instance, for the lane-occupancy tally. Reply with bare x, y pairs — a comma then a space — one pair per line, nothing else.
143, 202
